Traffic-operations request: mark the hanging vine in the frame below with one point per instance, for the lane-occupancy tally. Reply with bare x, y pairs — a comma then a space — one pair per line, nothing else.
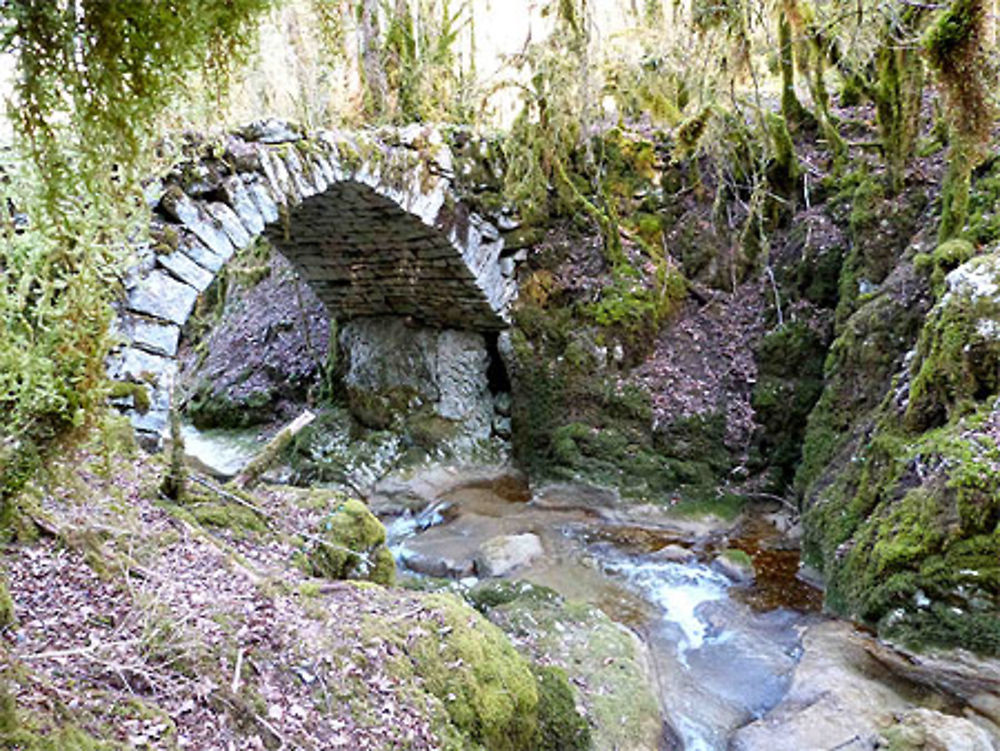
93, 79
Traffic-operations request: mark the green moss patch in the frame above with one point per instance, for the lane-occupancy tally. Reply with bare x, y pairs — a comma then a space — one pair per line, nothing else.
7, 618
958, 356
910, 536
486, 691
352, 546
607, 671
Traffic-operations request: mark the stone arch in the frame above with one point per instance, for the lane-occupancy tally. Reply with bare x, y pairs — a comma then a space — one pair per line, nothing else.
371, 220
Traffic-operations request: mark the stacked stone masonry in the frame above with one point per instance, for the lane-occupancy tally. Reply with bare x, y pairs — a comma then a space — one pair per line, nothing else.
371, 220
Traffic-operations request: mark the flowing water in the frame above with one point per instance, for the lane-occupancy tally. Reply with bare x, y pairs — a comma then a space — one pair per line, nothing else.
723, 655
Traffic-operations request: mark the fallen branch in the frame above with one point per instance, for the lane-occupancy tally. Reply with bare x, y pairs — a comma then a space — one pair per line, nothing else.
257, 466
78, 651
772, 497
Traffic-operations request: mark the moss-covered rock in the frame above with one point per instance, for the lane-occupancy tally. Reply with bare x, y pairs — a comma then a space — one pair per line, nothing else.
560, 725
487, 691
945, 258
958, 358
353, 546
208, 408
789, 381
231, 516
868, 351
604, 662
910, 537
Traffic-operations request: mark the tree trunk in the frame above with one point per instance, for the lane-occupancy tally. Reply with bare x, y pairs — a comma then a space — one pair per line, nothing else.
791, 109
372, 70
898, 95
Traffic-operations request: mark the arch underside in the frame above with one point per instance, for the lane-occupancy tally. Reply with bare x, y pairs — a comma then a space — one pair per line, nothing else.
365, 256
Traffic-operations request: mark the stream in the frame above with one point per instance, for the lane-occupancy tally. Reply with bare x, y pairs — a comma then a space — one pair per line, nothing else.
722, 654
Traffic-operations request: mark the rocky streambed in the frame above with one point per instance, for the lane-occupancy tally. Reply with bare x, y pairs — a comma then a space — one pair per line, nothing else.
738, 652
681, 632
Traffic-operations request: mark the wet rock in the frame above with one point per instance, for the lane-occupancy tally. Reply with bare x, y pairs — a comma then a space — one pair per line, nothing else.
434, 379
438, 566
736, 565
928, 730
501, 555
988, 705
833, 701
674, 554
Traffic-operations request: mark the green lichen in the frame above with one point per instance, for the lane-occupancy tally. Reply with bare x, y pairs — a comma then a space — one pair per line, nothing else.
353, 546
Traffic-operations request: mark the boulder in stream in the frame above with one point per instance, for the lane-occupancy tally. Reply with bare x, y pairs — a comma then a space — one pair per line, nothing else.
844, 696
735, 565
501, 555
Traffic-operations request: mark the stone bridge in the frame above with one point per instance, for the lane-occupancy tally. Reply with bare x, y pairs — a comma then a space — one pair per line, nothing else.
371, 220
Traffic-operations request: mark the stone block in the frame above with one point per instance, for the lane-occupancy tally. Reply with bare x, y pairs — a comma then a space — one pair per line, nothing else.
230, 223
185, 269
152, 336
161, 296
235, 191
198, 252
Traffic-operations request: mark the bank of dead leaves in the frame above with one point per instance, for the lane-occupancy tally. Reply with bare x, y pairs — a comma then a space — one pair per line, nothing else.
155, 633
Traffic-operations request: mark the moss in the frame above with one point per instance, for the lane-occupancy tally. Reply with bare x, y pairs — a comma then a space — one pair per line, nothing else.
602, 660
636, 306
958, 355
209, 409
783, 172
430, 431
381, 410
7, 617
353, 547
62, 739
739, 557
495, 592
908, 536
137, 392
560, 725
166, 240
983, 227
233, 517
946, 257
789, 382
486, 689
619, 458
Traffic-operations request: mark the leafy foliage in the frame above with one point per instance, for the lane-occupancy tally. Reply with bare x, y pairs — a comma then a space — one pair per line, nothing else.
93, 80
